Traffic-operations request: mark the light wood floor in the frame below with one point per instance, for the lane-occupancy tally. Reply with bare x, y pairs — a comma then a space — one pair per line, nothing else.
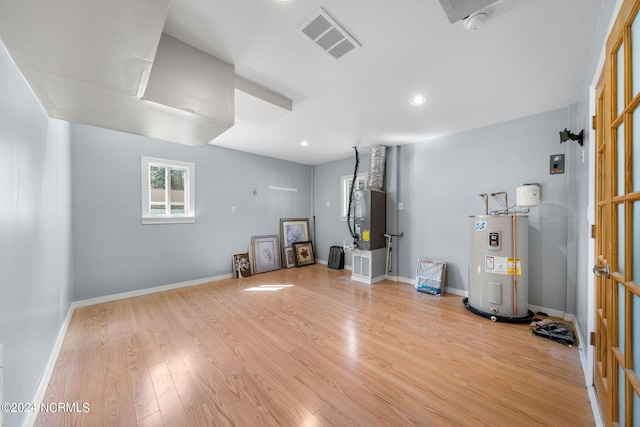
326, 351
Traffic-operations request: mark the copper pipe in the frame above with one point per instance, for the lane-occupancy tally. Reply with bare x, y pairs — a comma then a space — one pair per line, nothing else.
506, 199
486, 202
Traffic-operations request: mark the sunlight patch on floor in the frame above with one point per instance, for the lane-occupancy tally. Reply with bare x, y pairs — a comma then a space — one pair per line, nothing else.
268, 287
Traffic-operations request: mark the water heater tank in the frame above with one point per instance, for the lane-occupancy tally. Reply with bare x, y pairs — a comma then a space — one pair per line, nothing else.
498, 280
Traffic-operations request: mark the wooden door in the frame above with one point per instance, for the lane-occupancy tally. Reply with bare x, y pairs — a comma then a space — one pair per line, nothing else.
617, 268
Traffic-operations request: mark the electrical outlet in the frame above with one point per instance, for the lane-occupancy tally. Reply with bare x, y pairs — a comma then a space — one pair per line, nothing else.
400, 206
233, 209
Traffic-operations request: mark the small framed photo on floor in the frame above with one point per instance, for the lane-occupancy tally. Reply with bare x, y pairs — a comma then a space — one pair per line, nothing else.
289, 258
304, 255
241, 265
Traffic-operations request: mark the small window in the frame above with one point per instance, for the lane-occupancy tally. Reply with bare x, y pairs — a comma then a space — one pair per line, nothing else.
345, 189
168, 191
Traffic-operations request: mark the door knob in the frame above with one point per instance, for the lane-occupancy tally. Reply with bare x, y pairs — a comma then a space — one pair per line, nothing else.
602, 270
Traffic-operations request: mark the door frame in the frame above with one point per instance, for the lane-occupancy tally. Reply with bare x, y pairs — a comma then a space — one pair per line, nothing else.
588, 354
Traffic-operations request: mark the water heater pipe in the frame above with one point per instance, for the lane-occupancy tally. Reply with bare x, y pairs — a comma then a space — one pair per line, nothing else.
486, 202
390, 248
506, 199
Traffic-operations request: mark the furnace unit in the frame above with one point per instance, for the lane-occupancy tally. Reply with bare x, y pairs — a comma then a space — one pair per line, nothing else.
370, 218
369, 248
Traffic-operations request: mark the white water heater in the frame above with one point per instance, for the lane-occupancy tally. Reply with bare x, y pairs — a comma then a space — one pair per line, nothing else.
498, 267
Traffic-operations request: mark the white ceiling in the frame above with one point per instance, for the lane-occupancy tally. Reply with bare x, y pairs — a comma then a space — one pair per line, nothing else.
529, 58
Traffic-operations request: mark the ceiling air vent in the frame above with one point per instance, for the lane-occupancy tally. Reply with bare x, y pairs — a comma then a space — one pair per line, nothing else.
326, 33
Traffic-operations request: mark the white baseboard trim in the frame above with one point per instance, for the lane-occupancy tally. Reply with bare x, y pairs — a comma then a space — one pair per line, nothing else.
147, 291
406, 280
453, 291
595, 406
465, 294
366, 280
30, 420
325, 262
550, 311
586, 370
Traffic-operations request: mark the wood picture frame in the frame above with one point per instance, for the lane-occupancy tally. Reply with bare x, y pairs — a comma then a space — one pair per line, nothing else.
304, 253
266, 253
251, 262
289, 258
292, 230
241, 265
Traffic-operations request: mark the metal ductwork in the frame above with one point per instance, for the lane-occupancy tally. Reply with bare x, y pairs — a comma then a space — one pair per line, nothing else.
375, 174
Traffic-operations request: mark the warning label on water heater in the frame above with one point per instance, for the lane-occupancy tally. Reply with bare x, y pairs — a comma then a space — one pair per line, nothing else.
501, 265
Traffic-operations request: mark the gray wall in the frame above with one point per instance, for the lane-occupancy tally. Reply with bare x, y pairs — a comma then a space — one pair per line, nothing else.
35, 235
114, 253
442, 178
438, 182
330, 229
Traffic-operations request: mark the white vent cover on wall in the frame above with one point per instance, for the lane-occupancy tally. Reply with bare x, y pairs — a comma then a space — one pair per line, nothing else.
326, 33
362, 265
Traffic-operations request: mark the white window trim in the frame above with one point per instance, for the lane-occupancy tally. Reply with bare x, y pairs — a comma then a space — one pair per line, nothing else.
190, 192
344, 192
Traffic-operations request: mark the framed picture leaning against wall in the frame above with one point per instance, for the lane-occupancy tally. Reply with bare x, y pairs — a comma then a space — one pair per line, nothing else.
266, 253
304, 253
292, 230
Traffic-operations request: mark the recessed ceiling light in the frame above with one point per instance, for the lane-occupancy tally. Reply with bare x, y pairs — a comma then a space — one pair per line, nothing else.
418, 100
304, 143
476, 20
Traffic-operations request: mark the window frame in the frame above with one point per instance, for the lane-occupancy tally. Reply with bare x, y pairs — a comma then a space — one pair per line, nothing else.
344, 191
189, 191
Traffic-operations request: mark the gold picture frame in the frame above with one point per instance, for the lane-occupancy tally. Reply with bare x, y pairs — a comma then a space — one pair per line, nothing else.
304, 253
292, 230
266, 253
